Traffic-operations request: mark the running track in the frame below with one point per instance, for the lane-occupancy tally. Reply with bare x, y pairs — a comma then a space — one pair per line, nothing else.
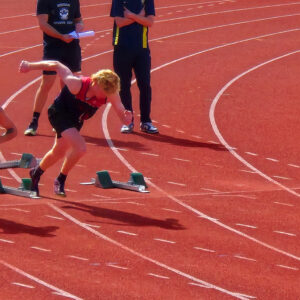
221, 220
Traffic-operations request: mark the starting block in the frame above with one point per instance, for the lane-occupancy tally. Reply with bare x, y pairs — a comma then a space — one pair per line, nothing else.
22, 191
135, 183
27, 161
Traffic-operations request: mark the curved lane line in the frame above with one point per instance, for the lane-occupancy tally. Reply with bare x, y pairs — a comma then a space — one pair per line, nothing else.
162, 265
219, 135
41, 282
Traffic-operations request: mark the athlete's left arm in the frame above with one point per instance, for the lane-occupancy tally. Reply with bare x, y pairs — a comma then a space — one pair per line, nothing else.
73, 82
124, 115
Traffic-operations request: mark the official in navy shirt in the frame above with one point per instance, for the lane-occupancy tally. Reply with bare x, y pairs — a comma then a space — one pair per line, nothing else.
132, 19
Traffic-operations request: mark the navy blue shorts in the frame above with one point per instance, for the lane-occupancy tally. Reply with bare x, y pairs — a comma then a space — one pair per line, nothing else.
62, 120
67, 54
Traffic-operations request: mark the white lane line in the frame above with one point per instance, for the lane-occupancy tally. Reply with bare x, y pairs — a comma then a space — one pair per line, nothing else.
281, 177
116, 266
176, 183
285, 233
158, 276
294, 166
204, 249
181, 159
7, 241
54, 217
200, 285
23, 285
219, 135
40, 249
244, 225
172, 210
287, 267
272, 159
286, 204
39, 281
126, 232
130, 250
251, 153
78, 257
164, 241
19, 209
150, 154
245, 258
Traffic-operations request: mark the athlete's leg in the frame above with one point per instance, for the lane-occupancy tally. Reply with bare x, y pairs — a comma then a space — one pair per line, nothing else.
78, 149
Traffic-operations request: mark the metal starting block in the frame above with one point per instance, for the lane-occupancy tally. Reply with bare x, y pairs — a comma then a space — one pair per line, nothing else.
22, 191
135, 183
27, 161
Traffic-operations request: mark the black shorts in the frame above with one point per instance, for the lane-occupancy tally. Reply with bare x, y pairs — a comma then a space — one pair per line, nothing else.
62, 120
67, 54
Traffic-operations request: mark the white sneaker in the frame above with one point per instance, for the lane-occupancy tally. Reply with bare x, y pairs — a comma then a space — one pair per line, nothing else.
127, 129
148, 127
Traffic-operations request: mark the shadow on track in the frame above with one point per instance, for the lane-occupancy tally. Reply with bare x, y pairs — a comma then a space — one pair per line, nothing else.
11, 227
125, 218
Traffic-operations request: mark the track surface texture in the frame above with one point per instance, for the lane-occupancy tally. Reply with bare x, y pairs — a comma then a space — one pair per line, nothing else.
221, 220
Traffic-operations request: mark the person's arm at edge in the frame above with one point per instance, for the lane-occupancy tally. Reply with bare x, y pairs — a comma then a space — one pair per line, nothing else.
73, 82
51, 31
8, 125
140, 18
124, 115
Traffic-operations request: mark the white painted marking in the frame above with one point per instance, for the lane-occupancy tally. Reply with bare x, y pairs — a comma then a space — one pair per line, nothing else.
181, 159
251, 153
272, 159
167, 126
180, 131
164, 241
122, 149
162, 265
281, 177
40, 249
7, 241
4, 177
158, 276
126, 232
69, 190
210, 190
172, 210
176, 183
150, 154
286, 204
54, 217
100, 196
245, 258
77, 257
244, 225
94, 226
200, 285
23, 285
197, 136
204, 249
248, 171
286, 233
287, 267
294, 166
116, 266
19, 209
52, 287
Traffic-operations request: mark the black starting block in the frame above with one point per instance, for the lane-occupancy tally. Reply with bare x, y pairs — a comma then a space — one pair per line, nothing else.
135, 183
22, 191
27, 161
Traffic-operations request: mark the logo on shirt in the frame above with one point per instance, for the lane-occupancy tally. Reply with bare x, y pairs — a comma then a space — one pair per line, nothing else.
64, 13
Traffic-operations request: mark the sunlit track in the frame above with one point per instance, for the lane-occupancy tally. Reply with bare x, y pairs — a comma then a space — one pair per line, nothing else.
220, 221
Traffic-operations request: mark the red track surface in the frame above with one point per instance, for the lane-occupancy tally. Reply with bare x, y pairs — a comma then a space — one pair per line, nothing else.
222, 217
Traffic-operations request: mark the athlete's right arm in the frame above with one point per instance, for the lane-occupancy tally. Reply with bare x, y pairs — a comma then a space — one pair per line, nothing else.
71, 81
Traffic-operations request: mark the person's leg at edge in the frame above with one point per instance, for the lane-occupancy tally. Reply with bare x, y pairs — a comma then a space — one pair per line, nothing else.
39, 102
78, 149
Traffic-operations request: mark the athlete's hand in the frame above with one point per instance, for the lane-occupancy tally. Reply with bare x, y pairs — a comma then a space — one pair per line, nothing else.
128, 14
128, 117
67, 38
24, 66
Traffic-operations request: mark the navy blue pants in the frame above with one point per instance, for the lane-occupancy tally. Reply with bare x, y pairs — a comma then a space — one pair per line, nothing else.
139, 60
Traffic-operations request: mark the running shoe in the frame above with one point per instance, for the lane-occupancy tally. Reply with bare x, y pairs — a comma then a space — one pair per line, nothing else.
148, 127
59, 188
127, 129
32, 128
